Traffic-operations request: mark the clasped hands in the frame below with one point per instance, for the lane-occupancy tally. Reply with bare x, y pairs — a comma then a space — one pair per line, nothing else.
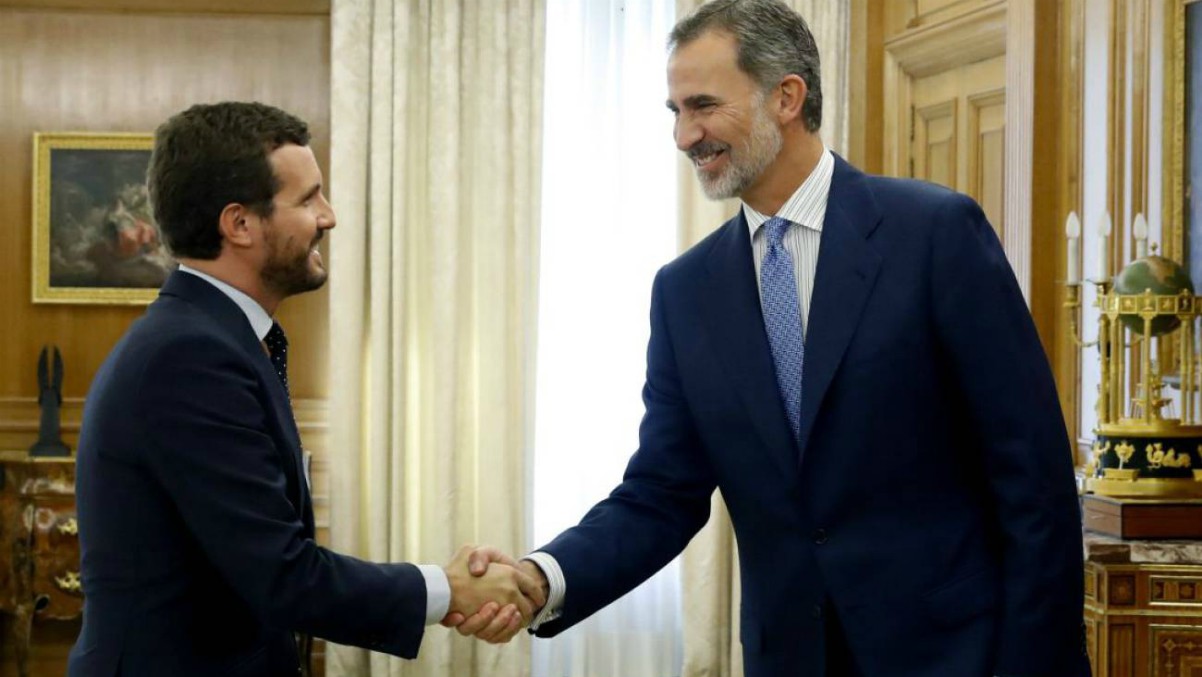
493, 596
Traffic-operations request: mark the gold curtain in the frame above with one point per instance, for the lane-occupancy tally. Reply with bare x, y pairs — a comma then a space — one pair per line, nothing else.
435, 166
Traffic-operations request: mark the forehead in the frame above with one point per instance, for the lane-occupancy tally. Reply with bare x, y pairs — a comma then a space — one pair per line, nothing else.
295, 166
707, 64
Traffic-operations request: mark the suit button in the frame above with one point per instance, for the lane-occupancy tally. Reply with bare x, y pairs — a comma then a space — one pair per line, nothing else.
816, 612
819, 536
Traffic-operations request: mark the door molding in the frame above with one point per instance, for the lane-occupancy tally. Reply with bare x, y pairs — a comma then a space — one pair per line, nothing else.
1004, 27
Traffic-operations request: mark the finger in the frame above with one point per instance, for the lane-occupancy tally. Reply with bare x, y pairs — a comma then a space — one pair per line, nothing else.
480, 620
499, 624
526, 607
484, 555
452, 620
514, 626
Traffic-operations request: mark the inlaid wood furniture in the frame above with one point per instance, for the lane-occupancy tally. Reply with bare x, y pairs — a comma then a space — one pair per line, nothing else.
39, 545
1143, 607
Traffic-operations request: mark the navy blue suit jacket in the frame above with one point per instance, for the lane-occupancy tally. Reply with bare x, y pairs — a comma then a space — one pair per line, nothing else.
930, 498
195, 521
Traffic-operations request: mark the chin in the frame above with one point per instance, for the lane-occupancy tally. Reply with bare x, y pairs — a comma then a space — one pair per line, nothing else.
718, 191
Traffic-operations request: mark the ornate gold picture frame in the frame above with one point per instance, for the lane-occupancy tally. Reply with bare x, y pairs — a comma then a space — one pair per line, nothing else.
1182, 58
94, 236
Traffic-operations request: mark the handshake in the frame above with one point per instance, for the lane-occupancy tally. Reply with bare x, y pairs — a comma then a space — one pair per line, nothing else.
493, 596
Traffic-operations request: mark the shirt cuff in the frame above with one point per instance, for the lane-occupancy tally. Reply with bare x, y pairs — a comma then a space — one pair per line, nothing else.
558, 585
438, 592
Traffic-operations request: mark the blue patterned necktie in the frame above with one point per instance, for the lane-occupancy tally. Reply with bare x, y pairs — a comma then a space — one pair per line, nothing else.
277, 347
782, 319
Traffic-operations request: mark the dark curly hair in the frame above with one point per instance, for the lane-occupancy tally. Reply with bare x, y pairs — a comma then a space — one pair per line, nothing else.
210, 156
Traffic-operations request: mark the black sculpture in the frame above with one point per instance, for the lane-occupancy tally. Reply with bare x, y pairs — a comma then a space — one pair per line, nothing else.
50, 398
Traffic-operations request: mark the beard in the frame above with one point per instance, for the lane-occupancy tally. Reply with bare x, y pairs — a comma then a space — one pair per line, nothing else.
758, 150
289, 272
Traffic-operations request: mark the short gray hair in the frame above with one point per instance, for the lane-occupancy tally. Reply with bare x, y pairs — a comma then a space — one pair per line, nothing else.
773, 42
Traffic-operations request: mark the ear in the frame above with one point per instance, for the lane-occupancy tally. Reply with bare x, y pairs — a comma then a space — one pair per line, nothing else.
235, 224
792, 91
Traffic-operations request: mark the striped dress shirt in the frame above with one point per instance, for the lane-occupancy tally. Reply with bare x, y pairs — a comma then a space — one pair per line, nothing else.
806, 208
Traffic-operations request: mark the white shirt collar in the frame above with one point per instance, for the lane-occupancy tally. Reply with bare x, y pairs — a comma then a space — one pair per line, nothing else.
259, 320
807, 205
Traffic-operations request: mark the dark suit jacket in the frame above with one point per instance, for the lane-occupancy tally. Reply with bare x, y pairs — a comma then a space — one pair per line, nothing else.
930, 499
194, 518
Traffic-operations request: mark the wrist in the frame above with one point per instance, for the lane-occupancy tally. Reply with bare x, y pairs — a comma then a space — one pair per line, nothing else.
534, 571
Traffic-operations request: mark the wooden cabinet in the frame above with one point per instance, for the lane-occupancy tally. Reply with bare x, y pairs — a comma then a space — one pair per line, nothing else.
39, 545
1143, 607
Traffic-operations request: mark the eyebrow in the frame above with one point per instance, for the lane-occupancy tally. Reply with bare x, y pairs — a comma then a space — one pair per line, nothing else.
311, 192
695, 101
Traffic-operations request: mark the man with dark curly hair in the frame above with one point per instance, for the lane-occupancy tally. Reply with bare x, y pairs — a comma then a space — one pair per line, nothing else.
195, 519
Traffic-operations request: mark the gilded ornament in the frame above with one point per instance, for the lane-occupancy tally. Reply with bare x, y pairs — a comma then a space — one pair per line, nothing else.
1158, 458
1124, 451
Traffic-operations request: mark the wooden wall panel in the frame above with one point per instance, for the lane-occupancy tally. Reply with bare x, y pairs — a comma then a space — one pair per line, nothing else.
865, 144
120, 70
986, 157
71, 71
903, 15
312, 7
1066, 95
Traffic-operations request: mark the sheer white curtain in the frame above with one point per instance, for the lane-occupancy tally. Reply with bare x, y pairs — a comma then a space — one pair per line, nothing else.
608, 223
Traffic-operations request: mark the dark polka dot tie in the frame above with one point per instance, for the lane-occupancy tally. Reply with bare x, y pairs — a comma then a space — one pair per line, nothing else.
277, 347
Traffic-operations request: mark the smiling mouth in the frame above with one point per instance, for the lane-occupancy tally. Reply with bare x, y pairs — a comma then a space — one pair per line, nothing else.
702, 161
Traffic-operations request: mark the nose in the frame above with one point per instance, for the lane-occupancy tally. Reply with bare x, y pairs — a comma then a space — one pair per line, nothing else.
687, 133
327, 220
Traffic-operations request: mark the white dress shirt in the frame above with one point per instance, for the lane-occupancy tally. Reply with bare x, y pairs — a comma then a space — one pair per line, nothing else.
806, 208
438, 588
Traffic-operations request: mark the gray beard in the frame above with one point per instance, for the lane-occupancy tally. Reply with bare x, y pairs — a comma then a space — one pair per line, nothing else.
758, 151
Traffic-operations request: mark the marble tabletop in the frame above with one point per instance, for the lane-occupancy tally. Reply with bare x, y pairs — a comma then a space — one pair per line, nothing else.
1102, 548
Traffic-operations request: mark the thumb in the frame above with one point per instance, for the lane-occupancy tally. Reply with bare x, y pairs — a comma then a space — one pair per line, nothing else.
453, 620
478, 561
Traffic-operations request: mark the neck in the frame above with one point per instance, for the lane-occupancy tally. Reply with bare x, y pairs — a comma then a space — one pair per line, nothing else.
241, 278
797, 159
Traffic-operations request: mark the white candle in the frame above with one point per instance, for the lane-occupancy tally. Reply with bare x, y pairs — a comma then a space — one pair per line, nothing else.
1140, 230
1104, 247
1072, 231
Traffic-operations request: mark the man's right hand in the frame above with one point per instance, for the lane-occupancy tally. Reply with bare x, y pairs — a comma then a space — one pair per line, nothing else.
487, 588
491, 622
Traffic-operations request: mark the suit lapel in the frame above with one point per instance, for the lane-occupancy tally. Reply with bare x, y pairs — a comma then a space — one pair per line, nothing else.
733, 316
847, 269
232, 321
283, 411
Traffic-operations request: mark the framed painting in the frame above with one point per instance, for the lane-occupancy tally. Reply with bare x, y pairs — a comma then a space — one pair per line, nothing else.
94, 236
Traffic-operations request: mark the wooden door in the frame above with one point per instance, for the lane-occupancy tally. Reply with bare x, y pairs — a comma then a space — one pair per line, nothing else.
958, 132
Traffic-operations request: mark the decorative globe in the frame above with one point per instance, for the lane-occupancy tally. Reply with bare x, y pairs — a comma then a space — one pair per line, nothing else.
1162, 277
